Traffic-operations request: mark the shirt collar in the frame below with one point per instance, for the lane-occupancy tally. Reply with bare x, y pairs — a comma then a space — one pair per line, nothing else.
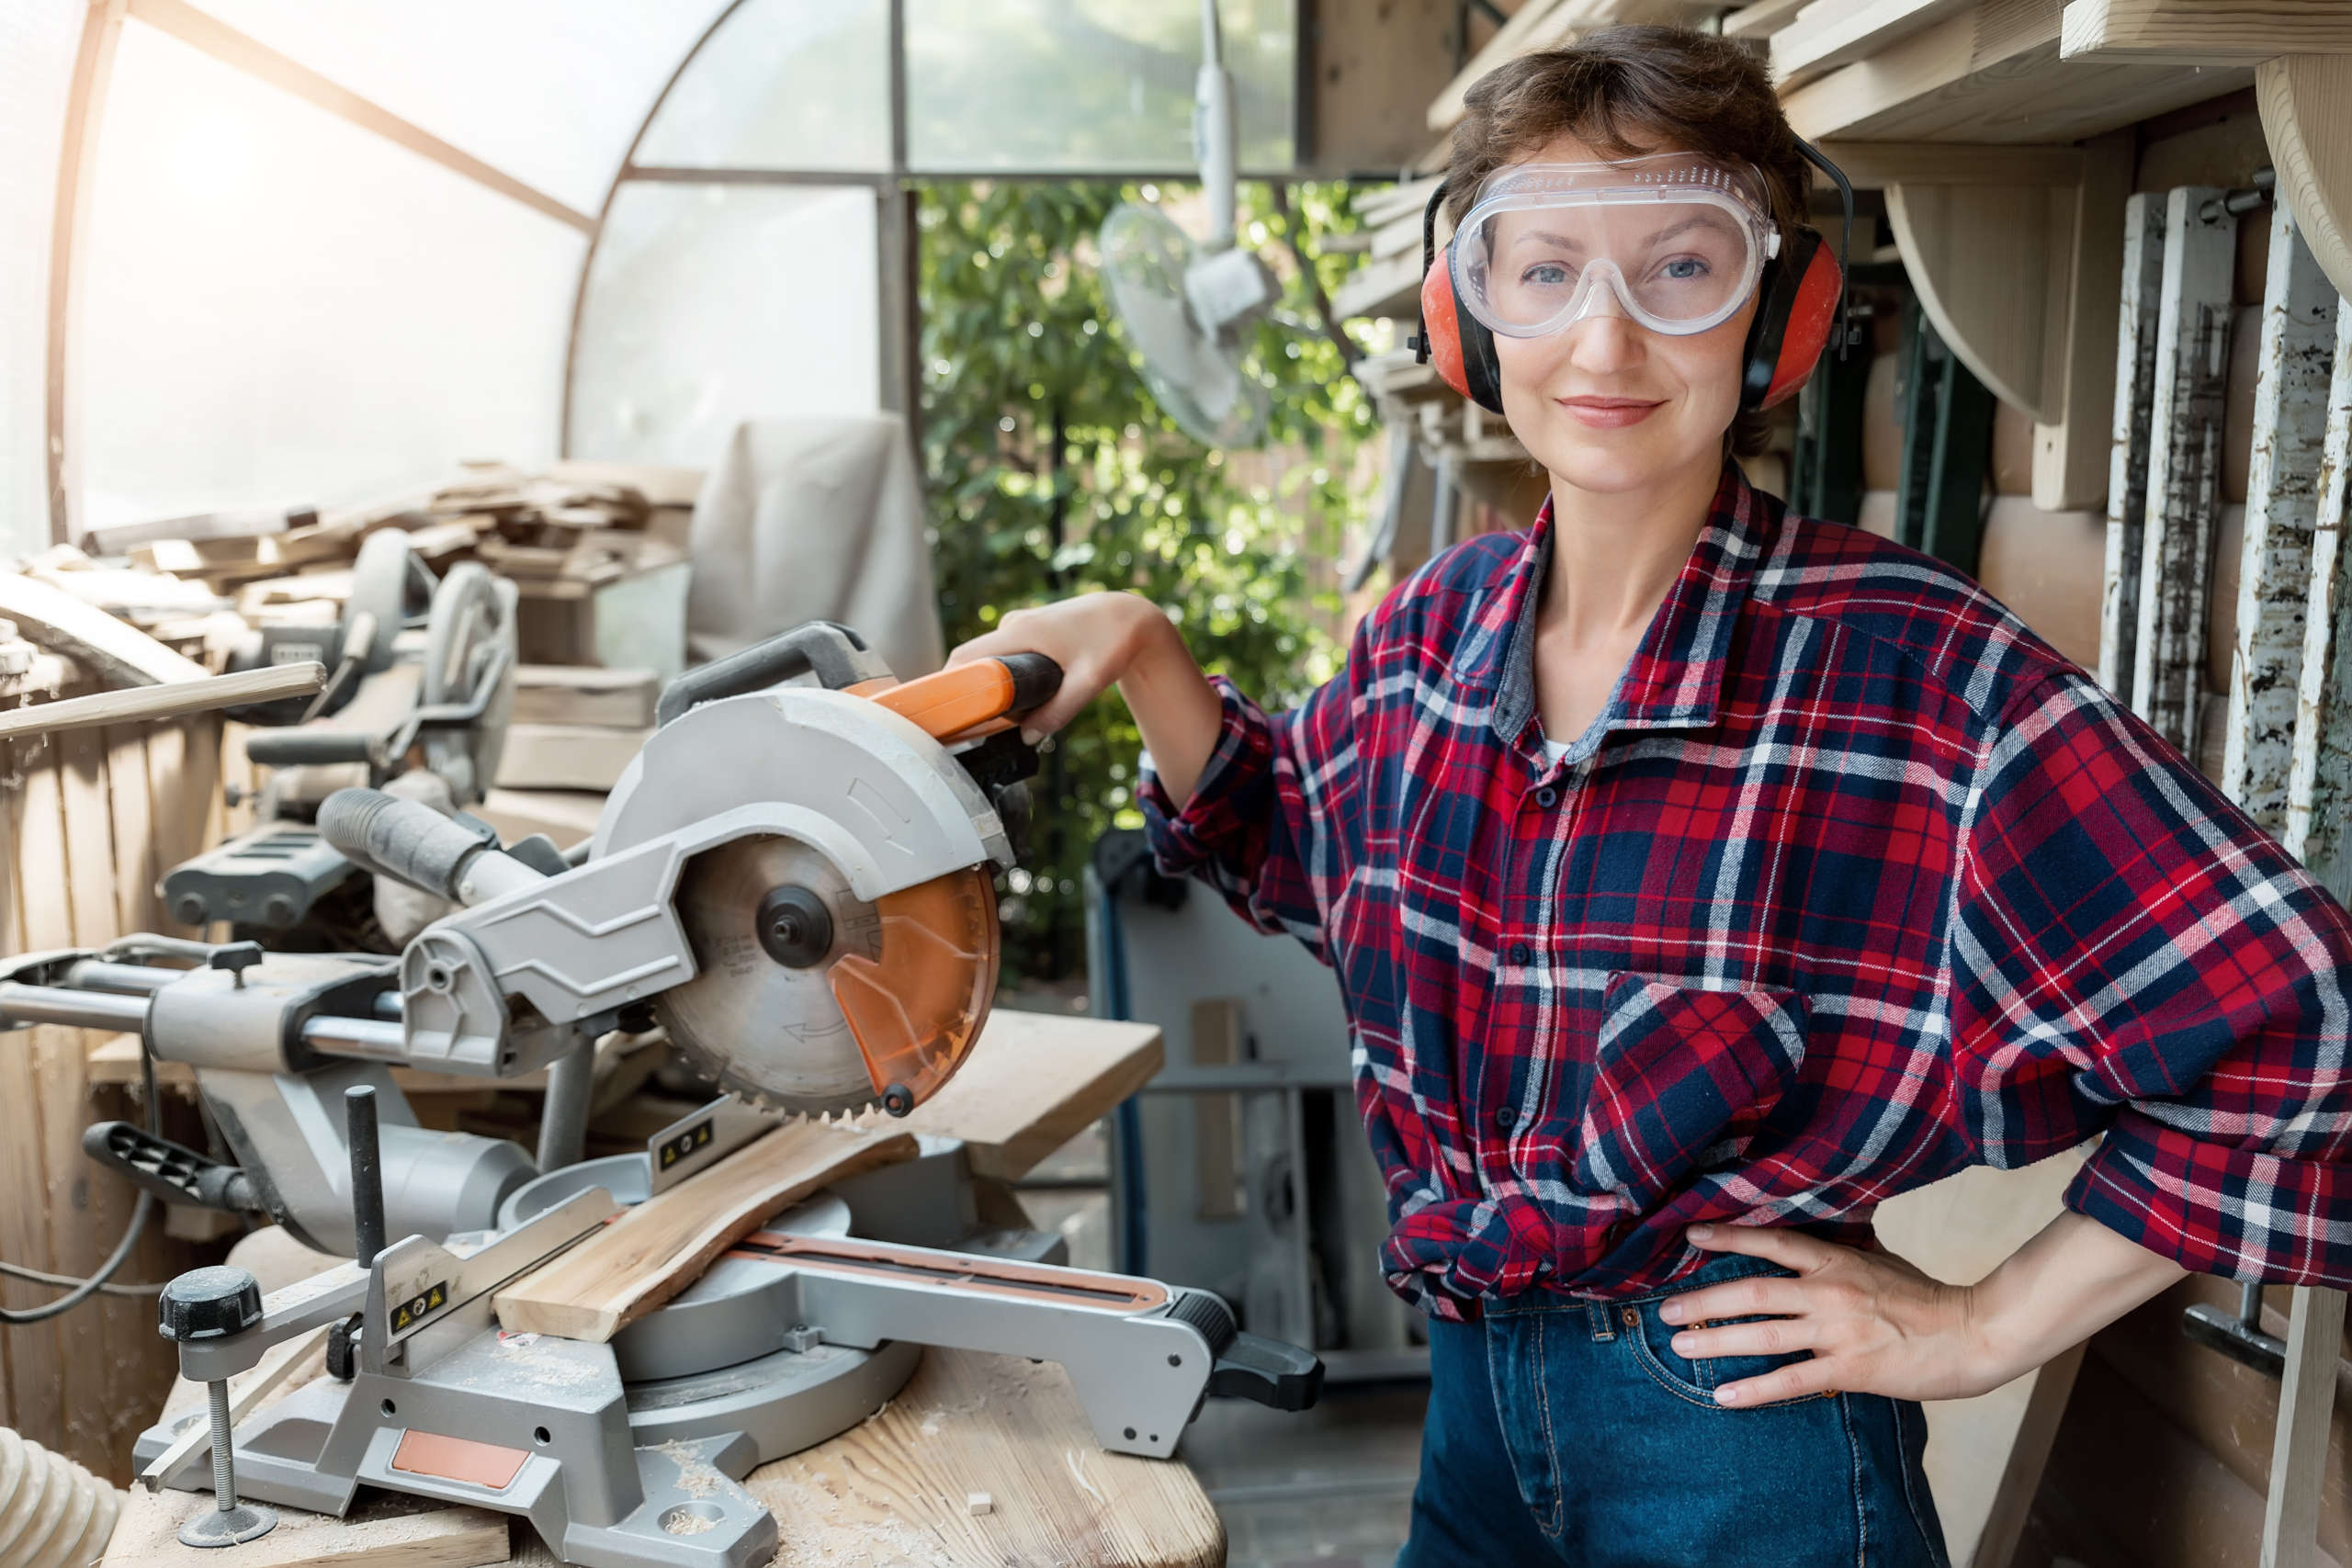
1675, 681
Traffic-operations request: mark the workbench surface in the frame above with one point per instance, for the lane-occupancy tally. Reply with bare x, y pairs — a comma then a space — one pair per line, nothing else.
893, 1492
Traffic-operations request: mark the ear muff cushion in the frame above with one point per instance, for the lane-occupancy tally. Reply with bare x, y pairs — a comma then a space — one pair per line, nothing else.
1442, 324
1796, 306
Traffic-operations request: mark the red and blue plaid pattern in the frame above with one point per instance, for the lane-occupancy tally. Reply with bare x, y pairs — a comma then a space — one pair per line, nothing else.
1857, 883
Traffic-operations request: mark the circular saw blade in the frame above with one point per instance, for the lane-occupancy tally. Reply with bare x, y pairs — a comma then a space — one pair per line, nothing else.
766, 1032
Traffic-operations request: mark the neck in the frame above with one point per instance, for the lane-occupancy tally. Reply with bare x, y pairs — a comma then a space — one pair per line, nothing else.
1615, 555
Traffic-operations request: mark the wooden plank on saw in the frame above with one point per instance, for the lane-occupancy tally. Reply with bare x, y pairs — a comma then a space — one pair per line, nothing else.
2318, 783
2281, 506
661, 1246
1033, 1082
2184, 461
113, 651
2299, 1447
2127, 477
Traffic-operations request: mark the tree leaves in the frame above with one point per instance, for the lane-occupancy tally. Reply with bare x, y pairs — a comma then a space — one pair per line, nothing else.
1018, 346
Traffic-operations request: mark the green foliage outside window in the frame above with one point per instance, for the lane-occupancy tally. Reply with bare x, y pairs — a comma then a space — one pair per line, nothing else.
1051, 473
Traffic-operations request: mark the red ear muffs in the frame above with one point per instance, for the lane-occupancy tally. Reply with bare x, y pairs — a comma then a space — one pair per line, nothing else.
1455, 342
1796, 313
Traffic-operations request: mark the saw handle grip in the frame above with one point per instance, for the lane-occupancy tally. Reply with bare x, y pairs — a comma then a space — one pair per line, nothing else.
404, 838
296, 748
837, 656
964, 697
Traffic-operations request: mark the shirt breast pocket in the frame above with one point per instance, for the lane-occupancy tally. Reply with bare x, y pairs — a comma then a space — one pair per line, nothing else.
1682, 1078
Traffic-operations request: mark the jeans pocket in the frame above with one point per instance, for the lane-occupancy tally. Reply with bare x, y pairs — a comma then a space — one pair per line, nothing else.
1696, 1380
1683, 1076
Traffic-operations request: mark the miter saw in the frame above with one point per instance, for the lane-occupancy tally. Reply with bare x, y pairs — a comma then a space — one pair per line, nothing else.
794, 876
421, 690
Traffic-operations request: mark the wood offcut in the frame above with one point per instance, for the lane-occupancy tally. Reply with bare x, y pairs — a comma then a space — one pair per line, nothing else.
658, 1248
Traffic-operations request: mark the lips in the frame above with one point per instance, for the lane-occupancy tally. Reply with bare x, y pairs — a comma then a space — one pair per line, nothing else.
1611, 413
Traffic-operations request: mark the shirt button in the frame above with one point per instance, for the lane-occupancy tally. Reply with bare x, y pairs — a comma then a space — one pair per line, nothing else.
1519, 952
1505, 1118
1547, 796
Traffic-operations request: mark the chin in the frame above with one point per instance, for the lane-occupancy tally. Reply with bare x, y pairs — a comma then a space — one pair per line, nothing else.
1614, 462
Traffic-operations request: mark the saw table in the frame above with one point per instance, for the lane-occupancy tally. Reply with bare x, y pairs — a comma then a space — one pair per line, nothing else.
896, 1489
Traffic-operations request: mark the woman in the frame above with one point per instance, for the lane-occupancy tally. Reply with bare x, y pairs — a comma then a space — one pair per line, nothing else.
1699, 875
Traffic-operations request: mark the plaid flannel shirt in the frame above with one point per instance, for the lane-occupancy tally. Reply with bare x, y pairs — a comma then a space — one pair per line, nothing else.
1855, 883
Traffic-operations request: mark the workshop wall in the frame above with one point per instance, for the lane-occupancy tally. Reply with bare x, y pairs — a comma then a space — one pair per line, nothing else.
88, 819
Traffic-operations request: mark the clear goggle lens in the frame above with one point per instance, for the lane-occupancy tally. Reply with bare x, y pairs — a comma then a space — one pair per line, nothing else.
1678, 251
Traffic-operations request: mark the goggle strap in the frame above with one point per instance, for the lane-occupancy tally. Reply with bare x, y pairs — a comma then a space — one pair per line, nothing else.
1429, 260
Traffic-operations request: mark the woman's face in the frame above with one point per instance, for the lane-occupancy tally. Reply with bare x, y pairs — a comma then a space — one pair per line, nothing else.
1610, 406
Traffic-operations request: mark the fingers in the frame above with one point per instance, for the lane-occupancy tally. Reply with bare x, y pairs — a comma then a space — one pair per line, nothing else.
1762, 1296
1789, 1248
1775, 1337
1794, 1380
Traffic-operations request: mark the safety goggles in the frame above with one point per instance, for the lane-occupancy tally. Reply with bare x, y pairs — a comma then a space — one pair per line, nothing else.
1678, 239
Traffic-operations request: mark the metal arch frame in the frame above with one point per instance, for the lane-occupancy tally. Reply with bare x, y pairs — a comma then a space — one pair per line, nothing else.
899, 338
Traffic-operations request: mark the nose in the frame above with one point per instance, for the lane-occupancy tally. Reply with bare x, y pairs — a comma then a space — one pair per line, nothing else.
1605, 340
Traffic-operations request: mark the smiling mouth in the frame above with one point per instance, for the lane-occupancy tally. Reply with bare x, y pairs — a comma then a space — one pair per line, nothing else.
1610, 413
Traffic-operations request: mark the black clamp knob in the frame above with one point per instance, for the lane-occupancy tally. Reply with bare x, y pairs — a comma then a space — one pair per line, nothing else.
210, 1304
236, 957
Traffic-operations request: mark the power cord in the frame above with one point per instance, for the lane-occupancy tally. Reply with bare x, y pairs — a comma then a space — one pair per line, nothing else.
83, 1290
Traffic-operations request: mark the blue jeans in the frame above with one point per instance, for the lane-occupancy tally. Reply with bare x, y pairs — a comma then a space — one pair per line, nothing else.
1566, 1431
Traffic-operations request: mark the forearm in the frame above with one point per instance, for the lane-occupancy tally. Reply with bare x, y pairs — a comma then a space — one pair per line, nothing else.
1175, 707
2072, 1278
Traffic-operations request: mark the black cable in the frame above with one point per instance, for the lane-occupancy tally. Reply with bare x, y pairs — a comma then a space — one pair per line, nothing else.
130, 1233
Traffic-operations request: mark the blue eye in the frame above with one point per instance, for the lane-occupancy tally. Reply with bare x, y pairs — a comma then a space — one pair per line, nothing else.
1548, 274
1683, 269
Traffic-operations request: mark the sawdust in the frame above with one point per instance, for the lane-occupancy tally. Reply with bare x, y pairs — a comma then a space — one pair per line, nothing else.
697, 1477
818, 1529
679, 1522
1078, 1473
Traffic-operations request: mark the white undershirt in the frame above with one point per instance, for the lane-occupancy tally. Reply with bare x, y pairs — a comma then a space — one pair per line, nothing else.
1555, 749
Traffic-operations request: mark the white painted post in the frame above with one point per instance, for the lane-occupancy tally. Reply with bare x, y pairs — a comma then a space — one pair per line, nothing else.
2282, 499
2184, 462
2127, 477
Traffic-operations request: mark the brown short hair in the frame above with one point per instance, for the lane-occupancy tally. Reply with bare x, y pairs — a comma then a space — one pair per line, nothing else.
1629, 90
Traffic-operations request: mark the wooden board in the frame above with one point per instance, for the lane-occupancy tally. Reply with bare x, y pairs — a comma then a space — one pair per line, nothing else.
584, 694
1032, 1084
138, 704
2303, 100
2132, 434
566, 756
109, 648
2296, 339
893, 1490
658, 1248
1829, 34
2299, 1451
2194, 316
2204, 32
386, 1530
566, 816
1993, 74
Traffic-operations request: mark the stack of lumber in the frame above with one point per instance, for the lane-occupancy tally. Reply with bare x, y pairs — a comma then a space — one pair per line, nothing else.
575, 727
1388, 283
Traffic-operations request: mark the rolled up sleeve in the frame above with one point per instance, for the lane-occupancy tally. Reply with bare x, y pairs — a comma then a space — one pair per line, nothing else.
1269, 824
2133, 956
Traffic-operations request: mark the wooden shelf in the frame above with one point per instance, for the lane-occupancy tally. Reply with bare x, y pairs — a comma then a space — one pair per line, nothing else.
1994, 74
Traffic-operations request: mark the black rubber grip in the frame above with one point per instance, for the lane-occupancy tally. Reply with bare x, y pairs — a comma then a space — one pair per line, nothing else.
1036, 678
402, 837
837, 655
297, 748
1270, 1372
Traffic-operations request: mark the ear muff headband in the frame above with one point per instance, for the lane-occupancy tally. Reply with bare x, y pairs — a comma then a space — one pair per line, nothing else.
1800, 312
